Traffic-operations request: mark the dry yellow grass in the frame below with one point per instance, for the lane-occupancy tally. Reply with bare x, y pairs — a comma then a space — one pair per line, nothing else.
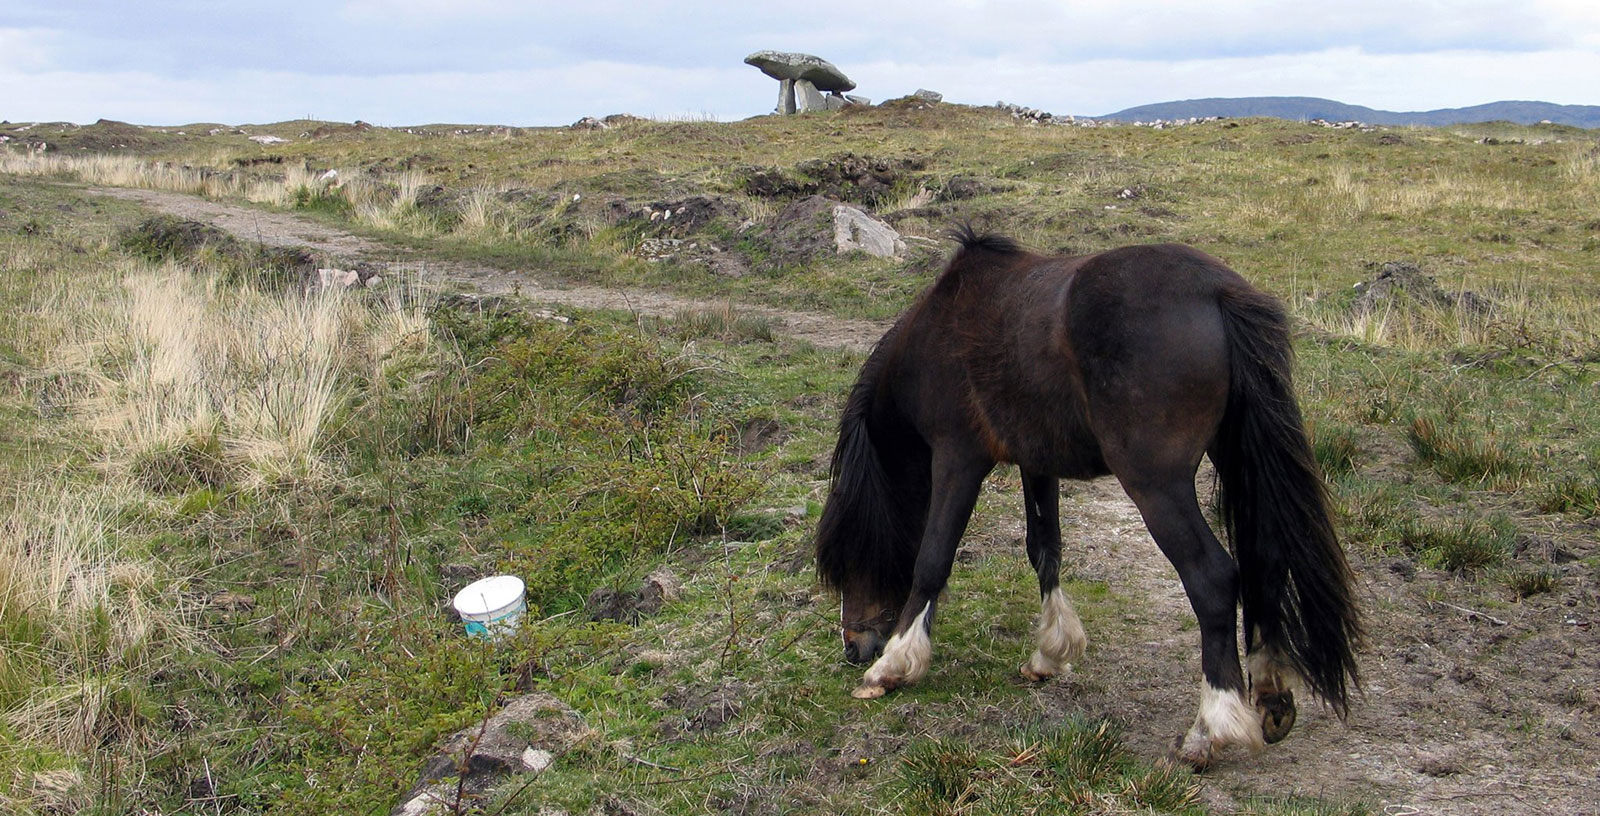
165, 372
173, 363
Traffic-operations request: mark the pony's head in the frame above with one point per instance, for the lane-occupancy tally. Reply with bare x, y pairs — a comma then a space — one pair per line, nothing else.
871, 526
866, 620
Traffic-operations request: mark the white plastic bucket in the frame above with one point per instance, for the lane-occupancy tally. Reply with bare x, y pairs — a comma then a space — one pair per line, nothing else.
492, 606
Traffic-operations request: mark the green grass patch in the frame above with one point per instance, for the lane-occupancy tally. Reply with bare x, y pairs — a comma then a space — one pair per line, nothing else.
1463, 545
1076, 768
1466, 455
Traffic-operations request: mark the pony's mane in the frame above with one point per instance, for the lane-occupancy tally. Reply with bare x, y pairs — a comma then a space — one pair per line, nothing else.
871, 526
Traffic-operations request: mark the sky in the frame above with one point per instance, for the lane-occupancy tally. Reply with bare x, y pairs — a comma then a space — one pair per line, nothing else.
535, 62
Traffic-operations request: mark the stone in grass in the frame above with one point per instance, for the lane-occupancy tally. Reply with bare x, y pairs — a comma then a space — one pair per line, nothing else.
525, 736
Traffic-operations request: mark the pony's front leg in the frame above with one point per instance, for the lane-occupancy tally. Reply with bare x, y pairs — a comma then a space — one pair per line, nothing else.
905, 658
1060, 638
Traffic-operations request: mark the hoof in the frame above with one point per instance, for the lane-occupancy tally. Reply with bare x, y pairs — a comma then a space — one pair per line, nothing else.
869, 692
1277, 715
1188, 752
1032, 676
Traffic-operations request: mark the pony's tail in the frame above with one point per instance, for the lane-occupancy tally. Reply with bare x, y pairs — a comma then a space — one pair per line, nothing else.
871, 526
1295, 585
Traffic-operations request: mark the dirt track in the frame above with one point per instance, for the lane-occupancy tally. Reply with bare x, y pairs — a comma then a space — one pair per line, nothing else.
1463, 712
284, 229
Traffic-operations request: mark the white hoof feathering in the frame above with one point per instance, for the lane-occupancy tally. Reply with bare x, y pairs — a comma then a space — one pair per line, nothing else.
905, 658
1225, 719
1060, 639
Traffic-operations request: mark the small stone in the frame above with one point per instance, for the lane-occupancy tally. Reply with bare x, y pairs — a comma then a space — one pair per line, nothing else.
231, 601
537, 759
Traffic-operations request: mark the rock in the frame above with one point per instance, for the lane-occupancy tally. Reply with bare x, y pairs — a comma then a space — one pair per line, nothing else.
659, 588
819, 72
337, 278
928, 96
807, 97
229, 601
816, 226
802, 80
1405, 281
268, 140
525, 736
854, 230
589, 123
1439, 765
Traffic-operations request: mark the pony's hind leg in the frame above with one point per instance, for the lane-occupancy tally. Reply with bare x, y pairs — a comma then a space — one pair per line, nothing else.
1211, 581
1060, 638
905, 658
1273, 681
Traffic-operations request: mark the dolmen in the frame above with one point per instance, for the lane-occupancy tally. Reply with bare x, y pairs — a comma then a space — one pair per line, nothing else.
806, 82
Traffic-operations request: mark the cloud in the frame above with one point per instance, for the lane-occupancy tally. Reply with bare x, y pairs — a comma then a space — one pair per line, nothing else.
529, 97
514, 62
1392, 82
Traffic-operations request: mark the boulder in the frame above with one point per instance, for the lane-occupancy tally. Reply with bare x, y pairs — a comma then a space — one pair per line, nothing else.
819, 72
854, 230
928, 96
807, 97
816, 227
1405, 282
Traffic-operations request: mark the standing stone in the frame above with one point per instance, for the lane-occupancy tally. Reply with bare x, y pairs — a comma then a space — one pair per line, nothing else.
807, 97
785, 96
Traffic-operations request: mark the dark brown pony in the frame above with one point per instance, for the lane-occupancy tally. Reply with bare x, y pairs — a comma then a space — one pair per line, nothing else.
1134, 363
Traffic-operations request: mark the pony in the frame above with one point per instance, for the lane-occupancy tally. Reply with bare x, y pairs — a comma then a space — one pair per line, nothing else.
1135, 363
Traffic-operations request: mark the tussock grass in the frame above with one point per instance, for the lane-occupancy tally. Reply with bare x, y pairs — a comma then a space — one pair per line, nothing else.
85, 628
1563, 323
122, 171
182, 365
1336, 447
726, 323
185, 379
1080, 767
1529, 581
1459, 545
1578, 494
1464, 455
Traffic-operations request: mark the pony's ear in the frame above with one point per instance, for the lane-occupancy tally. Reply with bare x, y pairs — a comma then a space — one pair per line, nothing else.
971, 240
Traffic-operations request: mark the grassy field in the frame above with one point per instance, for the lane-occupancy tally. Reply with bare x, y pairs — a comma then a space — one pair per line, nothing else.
236, 511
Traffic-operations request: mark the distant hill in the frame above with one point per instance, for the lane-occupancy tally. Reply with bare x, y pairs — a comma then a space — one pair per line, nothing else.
1306, 107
